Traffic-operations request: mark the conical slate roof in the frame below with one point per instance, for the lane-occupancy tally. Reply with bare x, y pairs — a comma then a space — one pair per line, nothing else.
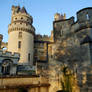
23, 10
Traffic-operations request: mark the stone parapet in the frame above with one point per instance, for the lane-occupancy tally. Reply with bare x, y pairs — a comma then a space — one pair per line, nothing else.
30, 83
39, 37
22, 80
9, 54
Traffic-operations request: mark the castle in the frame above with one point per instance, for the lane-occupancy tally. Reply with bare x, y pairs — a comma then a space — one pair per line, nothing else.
31, 54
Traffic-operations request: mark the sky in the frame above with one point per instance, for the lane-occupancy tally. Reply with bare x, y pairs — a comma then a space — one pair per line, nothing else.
42, 12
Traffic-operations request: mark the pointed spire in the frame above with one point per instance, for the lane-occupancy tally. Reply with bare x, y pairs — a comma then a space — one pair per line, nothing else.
23, 10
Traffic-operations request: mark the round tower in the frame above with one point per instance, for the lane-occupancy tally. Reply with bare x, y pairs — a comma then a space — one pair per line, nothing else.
21, 35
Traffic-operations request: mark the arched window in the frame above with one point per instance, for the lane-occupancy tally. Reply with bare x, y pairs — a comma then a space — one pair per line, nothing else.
4, 48
6, 66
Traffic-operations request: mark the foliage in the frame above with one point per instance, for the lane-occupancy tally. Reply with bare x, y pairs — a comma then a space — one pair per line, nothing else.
67, 80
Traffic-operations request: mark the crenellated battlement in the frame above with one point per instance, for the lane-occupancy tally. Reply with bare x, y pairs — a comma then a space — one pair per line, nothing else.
42, 37
9, 54
17, 9
59, 16
62, 28
29, 30
21, 21
20, 15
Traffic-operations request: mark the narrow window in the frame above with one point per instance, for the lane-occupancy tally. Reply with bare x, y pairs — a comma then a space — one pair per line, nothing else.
29, 57
15, 18
87, 16
21, 23
26, 24
20, 35
61, 32
19, 44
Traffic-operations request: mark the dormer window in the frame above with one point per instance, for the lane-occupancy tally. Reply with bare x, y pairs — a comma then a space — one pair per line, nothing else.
87, 16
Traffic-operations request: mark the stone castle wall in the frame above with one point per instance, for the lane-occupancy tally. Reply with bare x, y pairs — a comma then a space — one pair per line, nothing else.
32, 84
77, 35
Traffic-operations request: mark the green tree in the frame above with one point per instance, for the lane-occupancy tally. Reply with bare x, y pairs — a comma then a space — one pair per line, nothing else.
66, 81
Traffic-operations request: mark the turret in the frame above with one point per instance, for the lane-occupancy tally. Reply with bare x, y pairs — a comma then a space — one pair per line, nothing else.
59, 16
21, 34
84, 15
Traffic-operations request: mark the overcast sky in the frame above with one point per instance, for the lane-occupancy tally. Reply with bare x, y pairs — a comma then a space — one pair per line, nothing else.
42, 11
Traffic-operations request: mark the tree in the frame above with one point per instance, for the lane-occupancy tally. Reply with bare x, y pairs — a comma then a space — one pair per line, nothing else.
67, 80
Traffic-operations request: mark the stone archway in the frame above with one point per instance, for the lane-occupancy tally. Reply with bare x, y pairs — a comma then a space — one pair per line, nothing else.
6, 66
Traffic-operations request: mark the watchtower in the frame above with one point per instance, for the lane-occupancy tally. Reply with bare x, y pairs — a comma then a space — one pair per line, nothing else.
21, 34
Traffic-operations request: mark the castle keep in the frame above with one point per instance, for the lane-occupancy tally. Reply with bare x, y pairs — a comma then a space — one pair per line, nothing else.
21, 35
35, 60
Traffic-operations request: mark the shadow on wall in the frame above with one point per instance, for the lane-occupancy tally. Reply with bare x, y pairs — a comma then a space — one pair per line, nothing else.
61, 91
22, 90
